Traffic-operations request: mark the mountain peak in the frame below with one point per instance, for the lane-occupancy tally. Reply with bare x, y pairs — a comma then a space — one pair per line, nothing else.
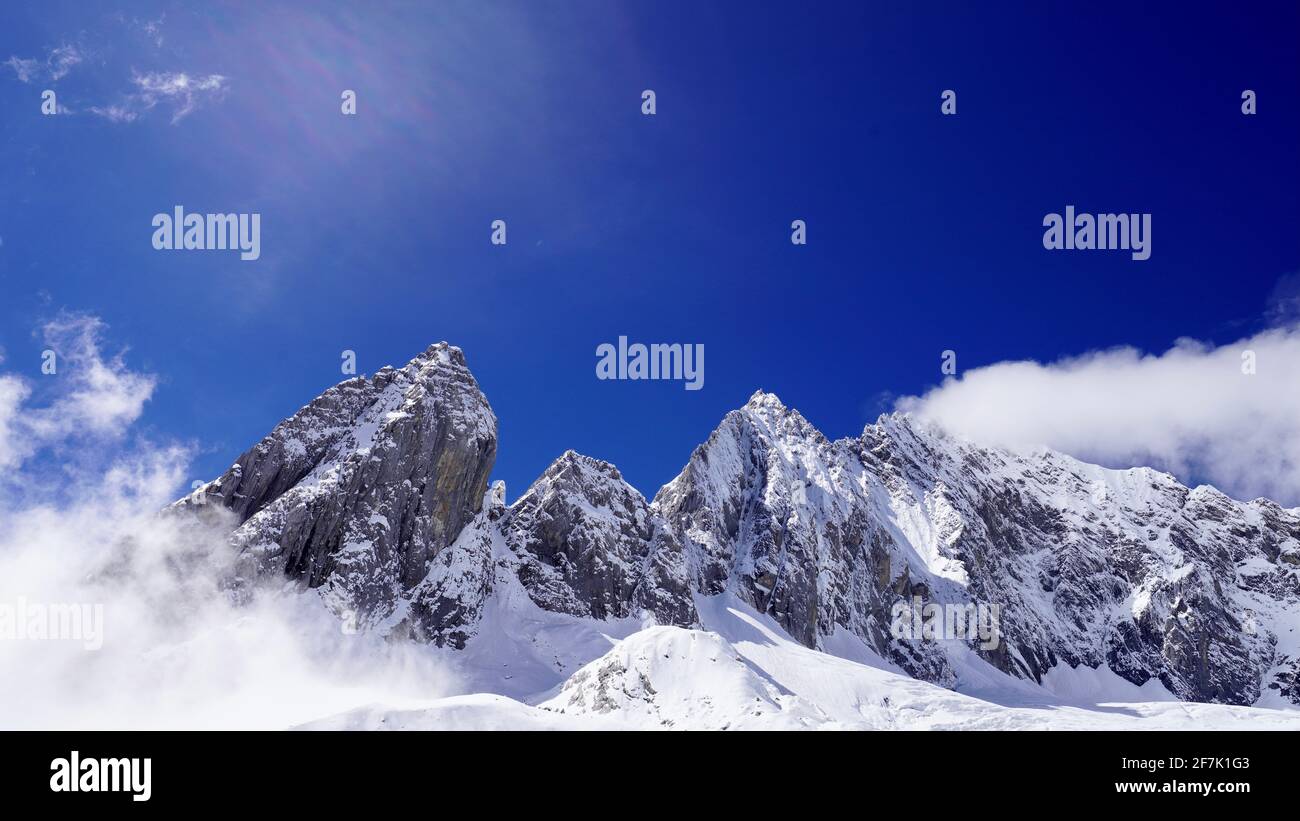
762, 400
584, 544
439, 357
573, 462
766, 412
385, 473
443, 351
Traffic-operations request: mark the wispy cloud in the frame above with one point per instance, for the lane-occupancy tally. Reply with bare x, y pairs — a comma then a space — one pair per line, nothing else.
178, 92
96, 397
62, 60
179, 89
152, 29
26, 69
114, 113
58, 63
1284, 302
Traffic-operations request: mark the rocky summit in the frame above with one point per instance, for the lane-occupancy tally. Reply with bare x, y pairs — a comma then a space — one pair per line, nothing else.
376, 495
361, 492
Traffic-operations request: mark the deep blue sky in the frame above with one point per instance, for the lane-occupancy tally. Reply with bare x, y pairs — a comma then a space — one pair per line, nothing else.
924, 231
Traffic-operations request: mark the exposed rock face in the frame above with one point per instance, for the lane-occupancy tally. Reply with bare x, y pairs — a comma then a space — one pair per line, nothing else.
446, 605
586, 545
360, 491
581, 534
376, 494
1093, 566
770, 508
1086, 565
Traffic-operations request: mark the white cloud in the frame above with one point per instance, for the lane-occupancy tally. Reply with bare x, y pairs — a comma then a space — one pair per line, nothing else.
180, 89
114, 113
13, 393
56, 65
1190, 410
94, 398
1284, 302
153, 29
173, 648
27, 70
62, 60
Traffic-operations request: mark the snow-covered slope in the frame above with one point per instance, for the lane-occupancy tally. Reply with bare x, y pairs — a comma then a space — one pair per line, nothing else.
746, 673
666, 677
760, 586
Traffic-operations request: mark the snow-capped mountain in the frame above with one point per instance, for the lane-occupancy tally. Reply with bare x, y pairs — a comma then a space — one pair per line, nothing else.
362, 493
604, 604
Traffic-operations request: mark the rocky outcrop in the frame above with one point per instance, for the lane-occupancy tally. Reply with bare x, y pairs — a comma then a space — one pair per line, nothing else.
1126, 568
587, 544
446, 605
359, 492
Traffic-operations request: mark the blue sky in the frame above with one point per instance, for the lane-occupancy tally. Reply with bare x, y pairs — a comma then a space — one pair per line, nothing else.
924, 231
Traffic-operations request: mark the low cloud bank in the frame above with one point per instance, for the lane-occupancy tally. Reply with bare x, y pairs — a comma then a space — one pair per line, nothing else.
1195, 410
169, 648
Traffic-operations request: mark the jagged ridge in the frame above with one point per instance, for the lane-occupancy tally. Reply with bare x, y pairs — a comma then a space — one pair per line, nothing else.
375, 493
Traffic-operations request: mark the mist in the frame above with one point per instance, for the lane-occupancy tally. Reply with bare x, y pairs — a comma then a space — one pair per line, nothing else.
177, 650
